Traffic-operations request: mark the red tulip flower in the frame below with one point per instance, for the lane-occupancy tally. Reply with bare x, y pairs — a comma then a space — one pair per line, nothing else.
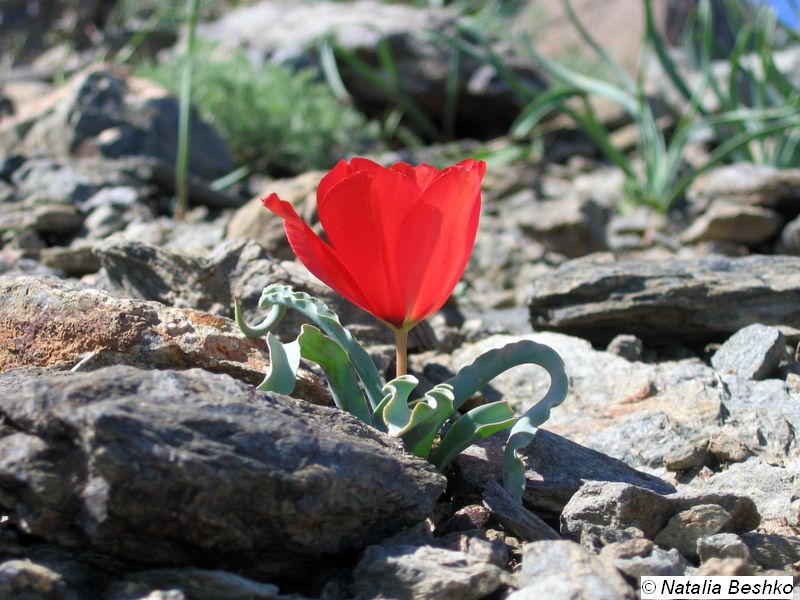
399, 238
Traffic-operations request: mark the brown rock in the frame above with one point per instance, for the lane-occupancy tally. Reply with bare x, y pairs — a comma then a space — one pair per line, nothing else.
46, 322
685, 528
742, 224
254, 222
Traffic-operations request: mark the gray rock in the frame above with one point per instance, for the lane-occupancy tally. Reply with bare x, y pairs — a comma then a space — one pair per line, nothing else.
289, 31
110, 218
562, 570
722, 545
64, 180
753, 352
615, 506
729, 567
789, 241
747, 183
179, 468
780, 552
773, 487
424, 573
514, 517
570, 226
639, 557
685, 528
692, 455
685, 300
75, 260
54, 219
741, 224
619, 506
23, 578
470, 517
743, 511
628, 347
104, 112
198, 584
556, 468
6, 191
726, 449
597, 537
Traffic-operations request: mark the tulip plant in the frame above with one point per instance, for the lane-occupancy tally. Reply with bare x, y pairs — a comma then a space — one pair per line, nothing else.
398, 240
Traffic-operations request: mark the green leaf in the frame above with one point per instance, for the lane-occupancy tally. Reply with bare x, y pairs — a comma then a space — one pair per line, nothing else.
256, 331
490, 364
420, 437
652, 36
319, 313
395, 412
479, 423
540, 107
627, 82
417, 423
284, 361
485, 368
582, 82
526, 426
342, 378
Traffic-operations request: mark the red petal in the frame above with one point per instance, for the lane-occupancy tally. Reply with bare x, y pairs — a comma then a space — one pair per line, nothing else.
438, 236
334, 176
362, 217
317, 256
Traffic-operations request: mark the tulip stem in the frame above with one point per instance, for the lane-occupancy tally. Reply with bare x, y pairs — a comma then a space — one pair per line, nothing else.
401, 341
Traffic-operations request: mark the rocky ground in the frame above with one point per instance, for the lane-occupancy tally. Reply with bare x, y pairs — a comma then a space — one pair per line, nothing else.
138, 462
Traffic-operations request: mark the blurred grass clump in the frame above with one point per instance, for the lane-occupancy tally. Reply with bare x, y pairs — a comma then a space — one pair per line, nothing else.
275, 119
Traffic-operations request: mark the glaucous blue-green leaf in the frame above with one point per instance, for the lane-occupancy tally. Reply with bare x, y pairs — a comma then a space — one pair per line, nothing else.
256, 331
526, 426
488, 366
418, 422
284, 359
319, 348
419, 437
478, 423
319, 313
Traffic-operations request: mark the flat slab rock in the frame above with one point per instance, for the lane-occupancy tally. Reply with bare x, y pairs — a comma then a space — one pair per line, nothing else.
686, 300
48, 322
676, 415
176, 468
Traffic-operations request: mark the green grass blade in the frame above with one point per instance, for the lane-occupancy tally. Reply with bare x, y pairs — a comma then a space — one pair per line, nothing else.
723, 151
536, 110
184, 117
582, 82
330, 70
652, 36
623, 77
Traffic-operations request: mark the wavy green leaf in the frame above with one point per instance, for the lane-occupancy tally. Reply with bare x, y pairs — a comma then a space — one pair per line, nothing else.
394, 409
318, 312
284, 360
479, 423
420, 437
256, 331
331, 357
526, 426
